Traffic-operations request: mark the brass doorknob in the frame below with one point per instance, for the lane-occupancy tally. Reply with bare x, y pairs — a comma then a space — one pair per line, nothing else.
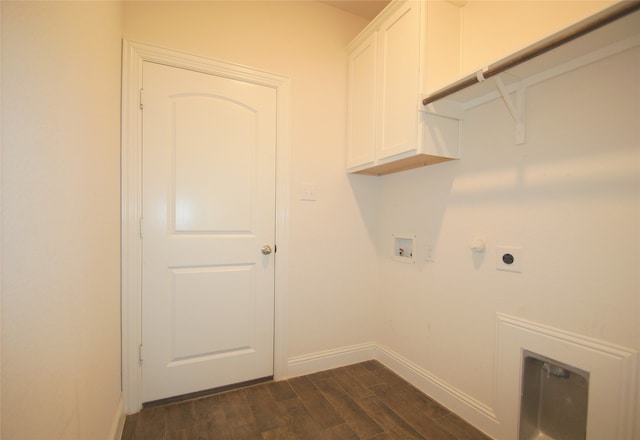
266, 249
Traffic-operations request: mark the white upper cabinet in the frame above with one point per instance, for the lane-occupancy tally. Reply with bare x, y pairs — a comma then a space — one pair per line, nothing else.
416, 48
398, 81
362, 103
386, 130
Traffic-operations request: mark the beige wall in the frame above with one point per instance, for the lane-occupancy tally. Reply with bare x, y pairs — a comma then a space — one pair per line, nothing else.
492, 30
332, 256
61, 186
60, 224
569, 197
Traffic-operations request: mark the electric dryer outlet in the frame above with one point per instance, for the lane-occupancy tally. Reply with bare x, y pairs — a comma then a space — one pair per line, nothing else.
509, 258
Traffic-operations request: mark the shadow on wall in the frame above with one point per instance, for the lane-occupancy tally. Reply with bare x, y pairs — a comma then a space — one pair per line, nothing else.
564, 177
366, 193
415, 203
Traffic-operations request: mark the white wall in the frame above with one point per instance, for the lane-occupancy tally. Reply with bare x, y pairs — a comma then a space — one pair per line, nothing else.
569, 196
332, 256
60, 219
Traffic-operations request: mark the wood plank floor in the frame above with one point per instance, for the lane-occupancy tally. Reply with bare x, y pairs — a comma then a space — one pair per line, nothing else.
361, 401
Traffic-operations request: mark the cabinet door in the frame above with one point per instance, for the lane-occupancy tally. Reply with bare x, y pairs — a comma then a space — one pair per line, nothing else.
399, 68
362, 104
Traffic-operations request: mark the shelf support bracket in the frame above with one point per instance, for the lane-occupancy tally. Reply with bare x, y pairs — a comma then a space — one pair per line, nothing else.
516, 110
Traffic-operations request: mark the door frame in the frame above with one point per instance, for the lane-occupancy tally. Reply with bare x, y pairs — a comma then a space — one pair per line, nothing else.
133, 56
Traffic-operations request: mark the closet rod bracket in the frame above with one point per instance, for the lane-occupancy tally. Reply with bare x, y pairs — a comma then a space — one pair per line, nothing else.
515, 109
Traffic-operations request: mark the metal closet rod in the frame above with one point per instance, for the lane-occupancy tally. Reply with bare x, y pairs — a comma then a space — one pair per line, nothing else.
622, 9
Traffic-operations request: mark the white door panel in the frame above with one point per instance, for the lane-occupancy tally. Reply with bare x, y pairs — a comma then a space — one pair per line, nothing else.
212, 310
203, 175
208, 207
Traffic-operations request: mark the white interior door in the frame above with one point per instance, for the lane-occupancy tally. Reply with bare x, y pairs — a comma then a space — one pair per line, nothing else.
208, 211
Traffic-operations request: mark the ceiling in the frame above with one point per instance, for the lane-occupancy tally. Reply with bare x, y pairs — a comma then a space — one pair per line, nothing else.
364, 8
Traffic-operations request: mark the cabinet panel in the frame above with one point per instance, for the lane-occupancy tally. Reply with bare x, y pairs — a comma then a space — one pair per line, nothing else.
423, 46
362, 104
387, 131
399, 68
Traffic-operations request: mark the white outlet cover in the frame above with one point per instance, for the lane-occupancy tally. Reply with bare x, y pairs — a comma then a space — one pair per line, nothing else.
509, 258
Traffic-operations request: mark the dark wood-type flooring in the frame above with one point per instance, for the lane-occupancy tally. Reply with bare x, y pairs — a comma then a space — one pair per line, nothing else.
361, 401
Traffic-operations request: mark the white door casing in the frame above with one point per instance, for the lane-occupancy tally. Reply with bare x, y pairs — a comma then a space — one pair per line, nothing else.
134, 57
208, 206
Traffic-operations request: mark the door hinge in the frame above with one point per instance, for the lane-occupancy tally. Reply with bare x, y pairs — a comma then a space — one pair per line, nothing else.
141, 99
141, 227
140, 354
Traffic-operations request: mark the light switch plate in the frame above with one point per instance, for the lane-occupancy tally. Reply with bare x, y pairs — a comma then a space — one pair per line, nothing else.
308, 192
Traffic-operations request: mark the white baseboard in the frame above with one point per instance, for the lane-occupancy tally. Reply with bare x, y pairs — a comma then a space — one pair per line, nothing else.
473, 411
117, 426
326, 360
470, 409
